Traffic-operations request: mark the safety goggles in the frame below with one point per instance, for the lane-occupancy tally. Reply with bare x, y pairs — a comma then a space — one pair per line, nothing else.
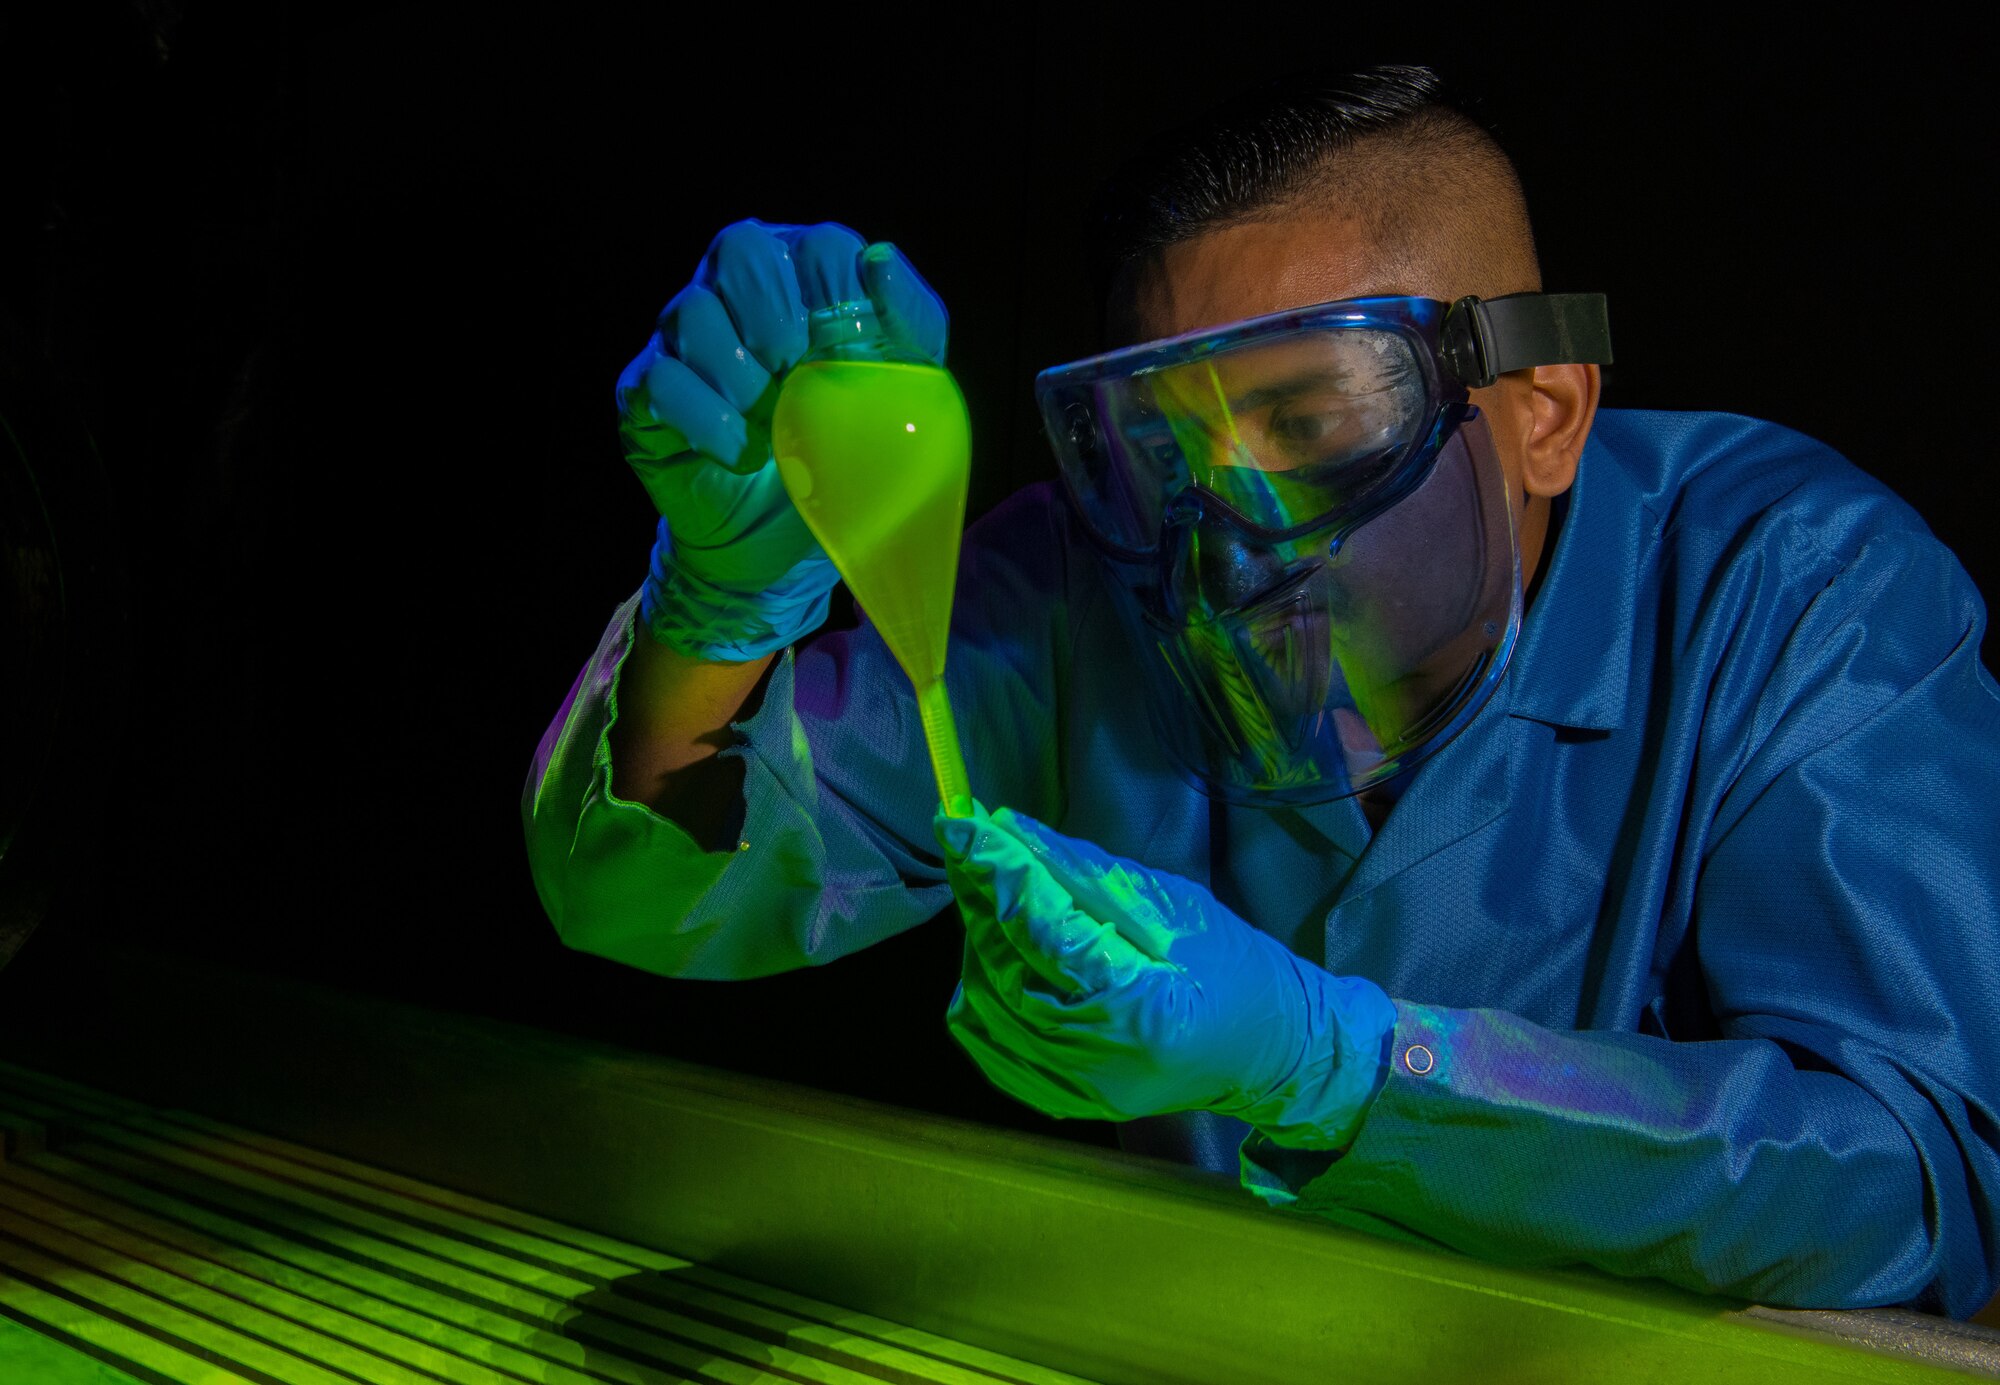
1294, 421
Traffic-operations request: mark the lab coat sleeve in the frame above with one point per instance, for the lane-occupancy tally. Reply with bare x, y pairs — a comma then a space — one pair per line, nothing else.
1836, 1145
836, 848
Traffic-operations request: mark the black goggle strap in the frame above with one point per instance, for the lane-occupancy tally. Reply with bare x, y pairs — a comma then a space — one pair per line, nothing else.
1483, 339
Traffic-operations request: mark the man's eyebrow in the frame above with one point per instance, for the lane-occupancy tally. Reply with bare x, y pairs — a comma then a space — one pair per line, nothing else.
1289, 387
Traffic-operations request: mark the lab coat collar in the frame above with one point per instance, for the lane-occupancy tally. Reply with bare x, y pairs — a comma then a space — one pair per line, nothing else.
1573, 665
1465, 787
1572, 668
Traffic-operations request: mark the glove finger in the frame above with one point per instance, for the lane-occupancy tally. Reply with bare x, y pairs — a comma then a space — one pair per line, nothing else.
676, 396
1041, 1005
1150, 910
696, 330
1072, 1070
1001, 886
647, 439
982, 1030
1024, 1083
737, 520
828, 260
1108, 1040
1000, 965
749, 267
908, 308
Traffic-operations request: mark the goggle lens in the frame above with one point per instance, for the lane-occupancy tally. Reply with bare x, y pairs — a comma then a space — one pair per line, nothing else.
1287, 431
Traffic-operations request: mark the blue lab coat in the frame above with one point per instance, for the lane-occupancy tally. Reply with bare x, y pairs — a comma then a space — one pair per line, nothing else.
1694, 933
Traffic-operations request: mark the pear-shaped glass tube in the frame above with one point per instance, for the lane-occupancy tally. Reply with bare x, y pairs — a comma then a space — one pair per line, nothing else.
874, 446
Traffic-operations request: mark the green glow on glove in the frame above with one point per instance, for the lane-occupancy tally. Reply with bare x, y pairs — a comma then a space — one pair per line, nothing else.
1093, 986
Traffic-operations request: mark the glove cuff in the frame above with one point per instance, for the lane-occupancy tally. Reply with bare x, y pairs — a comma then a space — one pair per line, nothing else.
693, 616
1343, 1061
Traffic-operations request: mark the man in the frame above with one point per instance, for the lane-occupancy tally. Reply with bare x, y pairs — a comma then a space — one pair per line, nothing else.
1652, 930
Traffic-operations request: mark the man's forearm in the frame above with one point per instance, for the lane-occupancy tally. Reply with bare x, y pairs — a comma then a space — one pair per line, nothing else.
674, 714
1718, 1166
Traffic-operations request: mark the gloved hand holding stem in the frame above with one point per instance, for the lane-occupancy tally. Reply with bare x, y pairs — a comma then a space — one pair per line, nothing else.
1095, 987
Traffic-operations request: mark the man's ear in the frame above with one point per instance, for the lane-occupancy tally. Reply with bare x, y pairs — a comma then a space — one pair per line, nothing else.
1562, 402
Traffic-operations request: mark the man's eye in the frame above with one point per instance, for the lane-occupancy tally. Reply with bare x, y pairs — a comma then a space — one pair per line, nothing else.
1306, 428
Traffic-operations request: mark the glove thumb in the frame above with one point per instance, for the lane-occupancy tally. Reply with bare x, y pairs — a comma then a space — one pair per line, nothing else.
909, 309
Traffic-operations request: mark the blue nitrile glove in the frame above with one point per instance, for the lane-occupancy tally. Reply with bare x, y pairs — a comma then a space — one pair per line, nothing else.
1093, 986
735, 573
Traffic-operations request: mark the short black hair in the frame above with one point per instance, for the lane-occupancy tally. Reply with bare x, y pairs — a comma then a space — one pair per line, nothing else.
1369, 144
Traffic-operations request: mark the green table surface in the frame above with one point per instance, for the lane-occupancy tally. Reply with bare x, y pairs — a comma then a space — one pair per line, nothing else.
29, 1355
213, 1176
140, 1244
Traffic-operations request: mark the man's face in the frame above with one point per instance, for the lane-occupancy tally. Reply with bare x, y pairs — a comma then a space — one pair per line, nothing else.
1299, 259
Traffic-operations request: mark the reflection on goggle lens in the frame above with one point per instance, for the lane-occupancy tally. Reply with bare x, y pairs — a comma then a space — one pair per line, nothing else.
1284, 432
1308, 530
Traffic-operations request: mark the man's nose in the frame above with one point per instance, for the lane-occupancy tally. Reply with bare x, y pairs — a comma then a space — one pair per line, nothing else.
1209, 566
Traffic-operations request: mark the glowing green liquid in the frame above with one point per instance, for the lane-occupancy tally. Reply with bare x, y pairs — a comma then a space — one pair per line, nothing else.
876, 455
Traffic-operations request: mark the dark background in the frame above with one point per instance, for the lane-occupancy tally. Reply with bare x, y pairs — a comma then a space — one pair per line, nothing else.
318, 317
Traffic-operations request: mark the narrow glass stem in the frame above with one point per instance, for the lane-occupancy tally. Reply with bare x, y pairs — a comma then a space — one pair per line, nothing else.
947, 761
